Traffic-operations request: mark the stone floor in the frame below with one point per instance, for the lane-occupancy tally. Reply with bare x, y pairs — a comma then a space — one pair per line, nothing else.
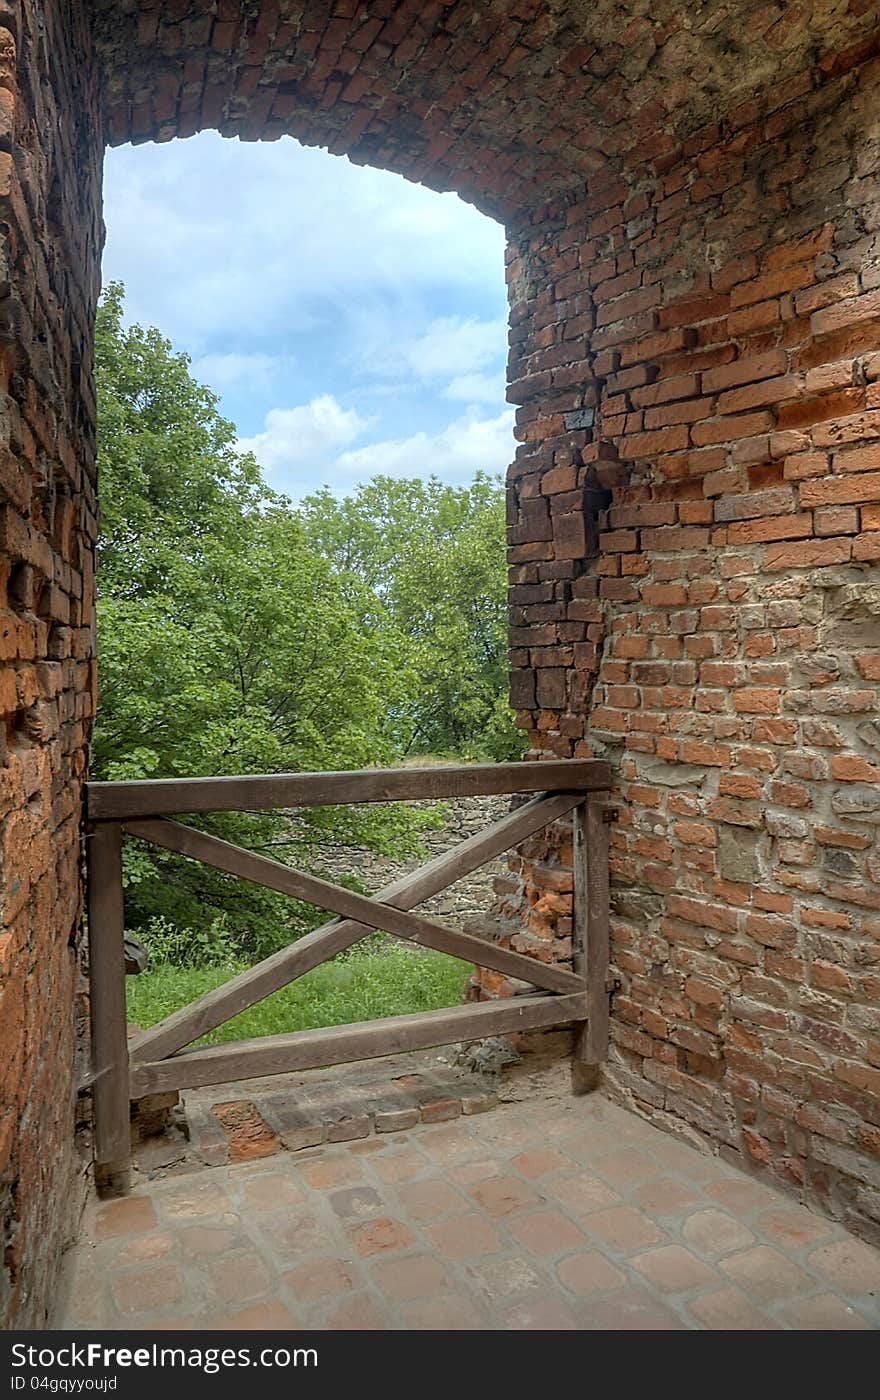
537, 1215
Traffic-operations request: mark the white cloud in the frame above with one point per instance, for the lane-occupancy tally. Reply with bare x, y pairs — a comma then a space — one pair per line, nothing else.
211, 233
467, 445
455, 345
255, 372
301, 440
476, 388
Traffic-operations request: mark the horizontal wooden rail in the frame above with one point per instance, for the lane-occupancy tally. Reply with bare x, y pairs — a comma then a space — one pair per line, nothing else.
124, 801
364, 1040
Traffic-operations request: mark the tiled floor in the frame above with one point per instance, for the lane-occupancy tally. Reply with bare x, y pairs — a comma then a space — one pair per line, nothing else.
545, 1215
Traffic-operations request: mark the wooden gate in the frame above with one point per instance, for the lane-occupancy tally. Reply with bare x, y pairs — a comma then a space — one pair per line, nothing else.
156, 1060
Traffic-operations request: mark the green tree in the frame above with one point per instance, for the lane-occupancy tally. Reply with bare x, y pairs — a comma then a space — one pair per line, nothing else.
432, 556
227, 641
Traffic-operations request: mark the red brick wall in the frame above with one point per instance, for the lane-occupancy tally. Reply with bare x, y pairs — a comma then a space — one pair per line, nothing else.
50, 223
694, 596
694, 322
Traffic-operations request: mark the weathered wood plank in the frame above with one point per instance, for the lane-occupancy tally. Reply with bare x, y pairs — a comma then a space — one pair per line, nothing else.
594, 1050
279, 1054
110, 1076
325, 942
580, 924
245, 865
161, 797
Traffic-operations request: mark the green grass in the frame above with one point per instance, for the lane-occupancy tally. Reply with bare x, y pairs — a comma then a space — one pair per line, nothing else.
360, 985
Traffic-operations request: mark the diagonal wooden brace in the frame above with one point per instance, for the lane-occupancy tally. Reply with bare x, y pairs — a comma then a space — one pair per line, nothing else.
363, 913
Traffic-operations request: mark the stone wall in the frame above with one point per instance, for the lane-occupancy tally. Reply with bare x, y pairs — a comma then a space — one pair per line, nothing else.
467, 904
695, 525
50, 226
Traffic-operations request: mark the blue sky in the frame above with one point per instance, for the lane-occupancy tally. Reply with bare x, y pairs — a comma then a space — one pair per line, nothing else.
350, 321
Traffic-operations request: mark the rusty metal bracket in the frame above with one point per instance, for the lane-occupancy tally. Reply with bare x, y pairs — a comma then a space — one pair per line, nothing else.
610, 814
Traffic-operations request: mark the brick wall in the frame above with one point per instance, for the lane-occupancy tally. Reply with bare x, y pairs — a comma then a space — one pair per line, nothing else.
694, 328
50, 225
695, 595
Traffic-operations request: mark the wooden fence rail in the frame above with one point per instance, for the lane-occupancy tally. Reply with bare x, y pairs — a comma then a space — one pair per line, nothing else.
158, 1059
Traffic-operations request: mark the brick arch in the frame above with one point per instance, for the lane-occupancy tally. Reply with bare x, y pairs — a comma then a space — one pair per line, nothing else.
508, 104
692, 200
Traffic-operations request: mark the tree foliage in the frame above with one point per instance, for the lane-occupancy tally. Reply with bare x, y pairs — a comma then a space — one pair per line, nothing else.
239, 633
432, 556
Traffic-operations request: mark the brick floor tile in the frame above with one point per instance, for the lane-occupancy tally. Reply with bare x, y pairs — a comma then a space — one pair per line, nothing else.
505, 1132
444, 1314
356, 1202
824, 1313
204, 1241
464, 1237
546, 1232
848, 1265
270, 1190
766, 1275
587, 1143
144, 1247
581, 1194
632, 1309
330, 1172
680, 1157
541, 1161
399, 1164
427, 1200
355, 1315
792, 1226
258, 1317
730, 1310
130, 1215
540, 1315
622, 1123
673, 1269
625, 1167
380, 1236
295, 1235
192, 1197
740, 1194
414, 1276
147, 1288
715, 1233
589, 1272
666, 1196
625, 1228
479, 1170
507, 1277
236, 1278
445, 1144
502, 1195
366, 1147
320, 1278
87, 1301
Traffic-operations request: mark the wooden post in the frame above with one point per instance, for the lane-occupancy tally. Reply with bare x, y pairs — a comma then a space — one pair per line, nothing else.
590, 941
110, 1089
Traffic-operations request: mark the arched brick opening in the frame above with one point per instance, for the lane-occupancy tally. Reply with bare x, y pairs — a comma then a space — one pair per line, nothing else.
692, 209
